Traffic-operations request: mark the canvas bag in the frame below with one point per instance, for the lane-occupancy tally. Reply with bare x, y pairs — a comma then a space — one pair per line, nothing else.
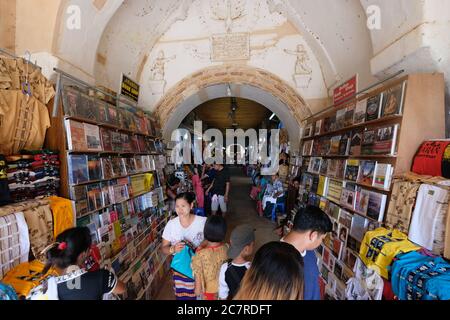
181, 262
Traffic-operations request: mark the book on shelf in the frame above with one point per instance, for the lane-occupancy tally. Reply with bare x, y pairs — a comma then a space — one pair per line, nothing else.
334, 145
71, 99
81, 207
314, 165
368, 142
348, 198
315, 184
345, 218
77, 192
76, 138
134, 144
344, 144
334, 190
77, 168
94, 196
87, 108
358, 227
102, 111
324, 167
329, 124
321, 189
340, 118
332, 168
107, 168
106, 199
349, 113
367, 172
307, 147
340, 168
323, 204
362, 200
355, 142
383, 175
351, 169
393, 101
106, 139
318, 127
94, 168
113, 117
385, 140
116, 141
92, 133
376, 207
359, 116
308, 131
126, 142
374, 107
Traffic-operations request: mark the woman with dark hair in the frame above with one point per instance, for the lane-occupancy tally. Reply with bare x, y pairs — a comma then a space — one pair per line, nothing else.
208, 259
276, 273
185, 229
67, 255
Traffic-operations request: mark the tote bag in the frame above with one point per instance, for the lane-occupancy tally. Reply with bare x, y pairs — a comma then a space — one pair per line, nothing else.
181, 262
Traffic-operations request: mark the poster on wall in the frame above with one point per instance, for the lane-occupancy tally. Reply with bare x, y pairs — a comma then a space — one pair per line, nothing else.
129, 88
346, 90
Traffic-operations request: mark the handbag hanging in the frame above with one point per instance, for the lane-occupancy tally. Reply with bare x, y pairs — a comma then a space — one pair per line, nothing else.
181, 261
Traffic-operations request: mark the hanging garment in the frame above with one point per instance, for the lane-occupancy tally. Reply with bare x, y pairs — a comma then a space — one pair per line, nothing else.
40, 225
63, 215
26, 276
379, 247
13, 73
23, 122
430, 211
14, 242
401, 204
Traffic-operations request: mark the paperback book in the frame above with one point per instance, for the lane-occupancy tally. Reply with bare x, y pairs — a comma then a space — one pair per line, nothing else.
324, 167
385, 140
94, 196
358, 227
318, 127
355, 143
362, 201
393, 102
352, 169
107, 168
71, 99
348, 198
307, 147
76, 138
308, 131
78, 168
332, 168
359, 115
334, 145
102, 111
374, 107
314, 165
345, 218
92, 133
383, 175
106, 139
334, 190
95, 168
340, 169
321, 189
368, 142
344, 144
116, 140
367, 172
340, 118
349, 113
376, 207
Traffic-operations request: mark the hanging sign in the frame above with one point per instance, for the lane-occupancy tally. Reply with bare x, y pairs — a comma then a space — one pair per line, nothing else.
346, 90
129, 88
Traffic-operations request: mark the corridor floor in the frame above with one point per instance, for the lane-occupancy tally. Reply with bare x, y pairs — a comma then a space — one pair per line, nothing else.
241, 210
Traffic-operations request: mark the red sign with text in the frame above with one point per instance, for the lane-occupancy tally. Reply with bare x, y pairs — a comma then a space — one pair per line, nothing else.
346, 90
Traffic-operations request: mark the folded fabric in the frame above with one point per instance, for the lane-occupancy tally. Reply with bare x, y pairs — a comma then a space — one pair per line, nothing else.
380, 246
14, 241
63, 215
40, 226
429, 214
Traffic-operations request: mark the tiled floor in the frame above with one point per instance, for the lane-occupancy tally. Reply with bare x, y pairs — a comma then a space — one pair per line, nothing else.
241, 210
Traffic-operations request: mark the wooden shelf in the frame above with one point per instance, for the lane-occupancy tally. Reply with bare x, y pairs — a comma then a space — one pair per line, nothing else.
110, 126
114, 178
375, 156
350, 181
363, 124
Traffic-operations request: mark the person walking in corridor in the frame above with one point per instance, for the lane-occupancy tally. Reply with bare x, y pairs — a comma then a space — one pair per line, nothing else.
219, 189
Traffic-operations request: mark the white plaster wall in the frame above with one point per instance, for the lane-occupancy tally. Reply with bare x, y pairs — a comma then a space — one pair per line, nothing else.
187, 44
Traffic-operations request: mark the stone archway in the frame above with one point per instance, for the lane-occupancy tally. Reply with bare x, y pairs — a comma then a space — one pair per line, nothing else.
237, 75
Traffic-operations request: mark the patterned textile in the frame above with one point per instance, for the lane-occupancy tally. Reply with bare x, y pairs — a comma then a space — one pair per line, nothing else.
401, 205
14, 242
40, 225
184, 287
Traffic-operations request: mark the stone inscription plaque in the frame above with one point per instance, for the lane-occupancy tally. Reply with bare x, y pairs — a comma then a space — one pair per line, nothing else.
230, 46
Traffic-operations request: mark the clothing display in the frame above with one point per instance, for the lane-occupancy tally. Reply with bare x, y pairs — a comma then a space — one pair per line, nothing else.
39, 219
419, 277
14, 71
5, 196
403, 199
63, 217
26, 276
429, 158
206, 266
33, 175
429, 213
380, 246
24, 122
14, 241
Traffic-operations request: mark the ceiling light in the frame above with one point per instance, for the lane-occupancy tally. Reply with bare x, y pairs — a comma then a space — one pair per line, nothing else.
271, 117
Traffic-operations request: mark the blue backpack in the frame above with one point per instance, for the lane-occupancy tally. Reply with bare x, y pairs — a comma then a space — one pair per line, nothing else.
7, 292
